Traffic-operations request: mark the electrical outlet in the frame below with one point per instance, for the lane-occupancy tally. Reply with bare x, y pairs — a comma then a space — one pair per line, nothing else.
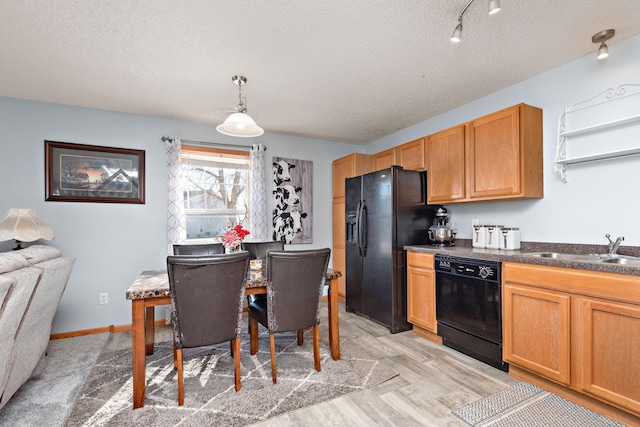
104, 298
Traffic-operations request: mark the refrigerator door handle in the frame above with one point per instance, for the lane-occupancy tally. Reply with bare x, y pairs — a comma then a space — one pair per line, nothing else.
358, 233
362, 229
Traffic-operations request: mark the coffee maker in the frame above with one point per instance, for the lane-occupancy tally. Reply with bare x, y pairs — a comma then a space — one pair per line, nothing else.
441, 233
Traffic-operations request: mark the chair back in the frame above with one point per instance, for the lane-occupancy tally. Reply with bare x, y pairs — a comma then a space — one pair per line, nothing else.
258, 250
207, 295
295, 283
198, 249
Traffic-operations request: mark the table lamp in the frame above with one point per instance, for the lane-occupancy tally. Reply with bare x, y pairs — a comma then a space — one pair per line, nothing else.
22, 225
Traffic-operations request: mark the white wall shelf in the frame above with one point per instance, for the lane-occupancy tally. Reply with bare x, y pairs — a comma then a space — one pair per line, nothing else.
610, 119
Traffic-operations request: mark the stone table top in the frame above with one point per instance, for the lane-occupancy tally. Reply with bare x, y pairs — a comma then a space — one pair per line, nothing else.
155, 283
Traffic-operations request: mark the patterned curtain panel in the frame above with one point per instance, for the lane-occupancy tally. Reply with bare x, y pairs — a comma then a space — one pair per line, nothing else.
258, 206
176, 221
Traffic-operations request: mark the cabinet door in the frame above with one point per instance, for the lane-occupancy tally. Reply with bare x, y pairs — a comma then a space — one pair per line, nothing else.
339, 251
411, 155
611, 352
421, 303
445, 166
421, 291
385, 159
536, 331
347, 167
493, 157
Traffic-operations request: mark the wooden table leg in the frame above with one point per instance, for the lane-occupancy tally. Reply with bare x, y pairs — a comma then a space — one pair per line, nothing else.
149, 330
334, 326
138, 351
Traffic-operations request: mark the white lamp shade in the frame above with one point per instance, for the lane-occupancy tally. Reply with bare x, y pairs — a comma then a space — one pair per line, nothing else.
23, 225
240, 124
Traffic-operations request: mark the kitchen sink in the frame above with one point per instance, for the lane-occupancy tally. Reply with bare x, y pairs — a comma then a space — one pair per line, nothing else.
561, 256
622, 261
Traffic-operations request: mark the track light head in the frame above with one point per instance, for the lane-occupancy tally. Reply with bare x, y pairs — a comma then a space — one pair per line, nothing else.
602, 37
494, 7
457, 33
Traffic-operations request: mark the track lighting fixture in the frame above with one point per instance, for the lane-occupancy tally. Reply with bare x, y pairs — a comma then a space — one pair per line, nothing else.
493, 7
239, 123
601, 37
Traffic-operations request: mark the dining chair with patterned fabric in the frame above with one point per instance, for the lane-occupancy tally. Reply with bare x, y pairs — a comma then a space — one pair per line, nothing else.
295, 284
207, 295
198, 249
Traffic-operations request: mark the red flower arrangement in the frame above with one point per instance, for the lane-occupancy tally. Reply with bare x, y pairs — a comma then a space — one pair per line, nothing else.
234, 236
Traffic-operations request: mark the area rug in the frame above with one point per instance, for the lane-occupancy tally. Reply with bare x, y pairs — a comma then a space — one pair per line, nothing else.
527, 405
210, 398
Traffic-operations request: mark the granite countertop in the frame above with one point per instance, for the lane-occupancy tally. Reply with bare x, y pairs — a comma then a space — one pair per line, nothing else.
464, 249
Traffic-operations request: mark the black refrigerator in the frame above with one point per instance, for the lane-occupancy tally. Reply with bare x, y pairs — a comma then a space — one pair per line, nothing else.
385, 210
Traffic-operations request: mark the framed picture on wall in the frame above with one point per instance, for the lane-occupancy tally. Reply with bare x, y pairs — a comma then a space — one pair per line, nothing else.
91, 173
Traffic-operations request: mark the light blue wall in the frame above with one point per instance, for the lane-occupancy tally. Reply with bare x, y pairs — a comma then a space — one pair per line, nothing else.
113, 243
599, 198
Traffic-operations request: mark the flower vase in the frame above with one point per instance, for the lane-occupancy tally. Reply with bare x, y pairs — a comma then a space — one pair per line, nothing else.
232, 250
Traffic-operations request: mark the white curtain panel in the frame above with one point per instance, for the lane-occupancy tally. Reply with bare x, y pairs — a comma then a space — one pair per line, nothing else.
176, 221
258, 206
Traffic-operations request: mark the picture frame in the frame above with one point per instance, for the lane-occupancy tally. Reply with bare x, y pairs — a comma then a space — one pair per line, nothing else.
92, 173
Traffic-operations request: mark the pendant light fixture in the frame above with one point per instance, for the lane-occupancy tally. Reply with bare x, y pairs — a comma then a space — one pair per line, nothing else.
601, 37
239, 123
493, 7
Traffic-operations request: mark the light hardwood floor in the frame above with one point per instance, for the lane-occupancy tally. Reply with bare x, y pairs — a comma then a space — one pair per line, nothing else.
433, 381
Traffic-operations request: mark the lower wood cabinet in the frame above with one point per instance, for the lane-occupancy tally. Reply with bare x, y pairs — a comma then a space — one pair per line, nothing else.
537, 331
421, 294
575, 333
611, 351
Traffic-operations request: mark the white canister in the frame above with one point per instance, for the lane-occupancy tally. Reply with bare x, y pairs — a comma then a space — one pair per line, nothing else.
510, 239
492, 236
479, 233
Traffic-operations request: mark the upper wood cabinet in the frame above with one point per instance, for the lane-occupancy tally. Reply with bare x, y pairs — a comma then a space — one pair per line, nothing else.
385, 159
498, 156
347, 167
411, 155
446, 165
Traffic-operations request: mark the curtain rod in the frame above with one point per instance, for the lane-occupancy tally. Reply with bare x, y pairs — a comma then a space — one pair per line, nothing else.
205, 143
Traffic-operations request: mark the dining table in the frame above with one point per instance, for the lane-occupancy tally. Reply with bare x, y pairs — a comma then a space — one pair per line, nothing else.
151, 289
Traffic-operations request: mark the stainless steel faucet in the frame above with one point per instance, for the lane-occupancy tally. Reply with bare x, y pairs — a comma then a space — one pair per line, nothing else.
613, 246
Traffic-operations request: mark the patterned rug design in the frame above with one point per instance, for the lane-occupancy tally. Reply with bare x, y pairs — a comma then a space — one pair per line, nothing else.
527, 405
210, 398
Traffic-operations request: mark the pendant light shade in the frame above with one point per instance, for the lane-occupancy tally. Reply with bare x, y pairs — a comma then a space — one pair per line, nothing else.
239, 123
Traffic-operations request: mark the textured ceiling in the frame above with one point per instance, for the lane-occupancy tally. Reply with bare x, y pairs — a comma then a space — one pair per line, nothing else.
351, 71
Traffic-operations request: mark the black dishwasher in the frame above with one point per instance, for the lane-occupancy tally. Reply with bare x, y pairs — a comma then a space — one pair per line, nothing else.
469, 307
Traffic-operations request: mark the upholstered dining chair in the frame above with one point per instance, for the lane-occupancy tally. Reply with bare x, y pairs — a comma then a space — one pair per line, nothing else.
198, 249
258, 250
206, 300
295, 283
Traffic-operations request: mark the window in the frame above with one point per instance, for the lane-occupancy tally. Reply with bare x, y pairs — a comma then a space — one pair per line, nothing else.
216, 190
